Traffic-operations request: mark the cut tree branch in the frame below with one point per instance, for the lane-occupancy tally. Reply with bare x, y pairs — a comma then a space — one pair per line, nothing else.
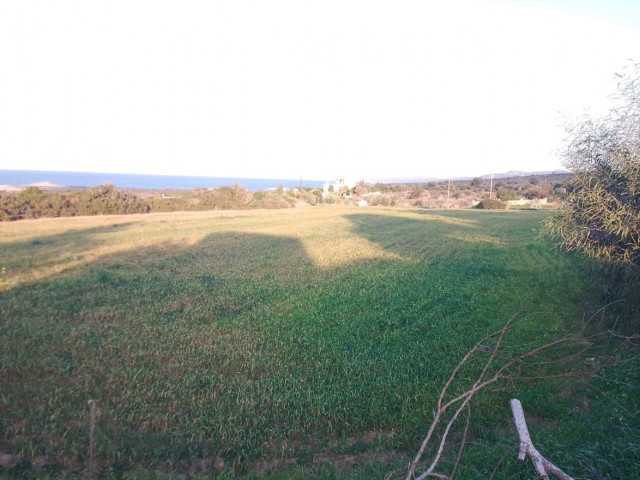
489, 375
541, 464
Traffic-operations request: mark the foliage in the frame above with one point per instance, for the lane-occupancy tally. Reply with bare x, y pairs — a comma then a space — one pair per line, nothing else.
384, 200
506, 194
601, 213
102, 200
416, 191
33, 203
536, 190
491, 204
311, 196
107, 200
477, 182
362, 189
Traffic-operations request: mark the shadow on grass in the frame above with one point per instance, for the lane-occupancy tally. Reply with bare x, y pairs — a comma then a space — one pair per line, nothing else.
153, 335
427, 236
48, 254
76, 236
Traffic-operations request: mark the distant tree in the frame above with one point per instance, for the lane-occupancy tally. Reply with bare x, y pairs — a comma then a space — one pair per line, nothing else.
540, 190
309, 197
416, 191
477, 182
362, 188
491, 204
380, 187
601, 214
505, 194
534, 180
344, 191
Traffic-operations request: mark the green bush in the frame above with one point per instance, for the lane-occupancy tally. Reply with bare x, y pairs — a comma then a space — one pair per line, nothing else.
309, 197
491, 204
102, 200
382, 200
505, 194
601, 213
275, 200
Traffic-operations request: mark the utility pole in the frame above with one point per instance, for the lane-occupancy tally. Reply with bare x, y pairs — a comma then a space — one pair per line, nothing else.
449, 192
491, 188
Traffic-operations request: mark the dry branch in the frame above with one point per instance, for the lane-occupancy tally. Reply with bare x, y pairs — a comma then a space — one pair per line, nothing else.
541, 464
461, 401
465, 398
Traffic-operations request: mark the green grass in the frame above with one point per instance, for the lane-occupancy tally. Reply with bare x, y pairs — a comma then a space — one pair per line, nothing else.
298, 343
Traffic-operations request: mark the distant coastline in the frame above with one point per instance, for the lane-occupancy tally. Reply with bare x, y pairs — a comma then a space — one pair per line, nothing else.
17, 179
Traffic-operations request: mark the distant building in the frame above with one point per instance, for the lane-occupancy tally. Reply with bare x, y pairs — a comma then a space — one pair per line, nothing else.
334, 186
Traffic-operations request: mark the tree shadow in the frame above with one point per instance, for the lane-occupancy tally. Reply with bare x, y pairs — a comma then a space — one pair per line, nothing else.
206, 350
50, 254
481, 272
427, 232
162, 337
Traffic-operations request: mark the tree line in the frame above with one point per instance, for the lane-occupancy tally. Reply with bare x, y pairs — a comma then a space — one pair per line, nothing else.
32, 202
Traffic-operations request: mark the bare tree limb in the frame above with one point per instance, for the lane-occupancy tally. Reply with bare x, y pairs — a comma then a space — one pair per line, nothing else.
462, 443
465, 397
541, 464
484, 379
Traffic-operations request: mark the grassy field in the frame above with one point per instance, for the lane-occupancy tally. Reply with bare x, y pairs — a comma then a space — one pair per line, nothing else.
292, 344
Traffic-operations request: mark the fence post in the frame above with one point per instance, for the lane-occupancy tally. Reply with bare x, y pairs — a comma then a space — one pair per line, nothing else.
91, 473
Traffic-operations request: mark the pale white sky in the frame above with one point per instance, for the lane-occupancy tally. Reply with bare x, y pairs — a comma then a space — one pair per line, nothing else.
314, 89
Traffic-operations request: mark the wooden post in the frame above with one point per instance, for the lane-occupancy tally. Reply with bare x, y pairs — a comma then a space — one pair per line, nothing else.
91, 473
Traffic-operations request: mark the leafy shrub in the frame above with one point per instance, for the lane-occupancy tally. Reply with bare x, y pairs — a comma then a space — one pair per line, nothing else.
416, 191
102, 200
491, 204
309, 197
382, 200
274, 200
532, 191
506, 194
601, 213
477, 182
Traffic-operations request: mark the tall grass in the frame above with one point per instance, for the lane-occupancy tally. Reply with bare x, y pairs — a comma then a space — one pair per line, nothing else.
308, 342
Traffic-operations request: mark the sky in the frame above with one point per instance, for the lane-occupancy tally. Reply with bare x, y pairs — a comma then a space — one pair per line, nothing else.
364, 89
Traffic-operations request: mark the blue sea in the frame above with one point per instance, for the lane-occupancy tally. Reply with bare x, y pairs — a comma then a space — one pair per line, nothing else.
138, 181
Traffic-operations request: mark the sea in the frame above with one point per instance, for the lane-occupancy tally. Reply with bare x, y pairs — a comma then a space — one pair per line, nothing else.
21, 178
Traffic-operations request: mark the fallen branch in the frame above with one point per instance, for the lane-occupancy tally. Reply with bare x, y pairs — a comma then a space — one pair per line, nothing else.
541, 464
465, 397
449, 411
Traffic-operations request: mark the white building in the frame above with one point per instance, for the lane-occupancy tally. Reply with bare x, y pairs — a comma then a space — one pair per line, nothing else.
333, 186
